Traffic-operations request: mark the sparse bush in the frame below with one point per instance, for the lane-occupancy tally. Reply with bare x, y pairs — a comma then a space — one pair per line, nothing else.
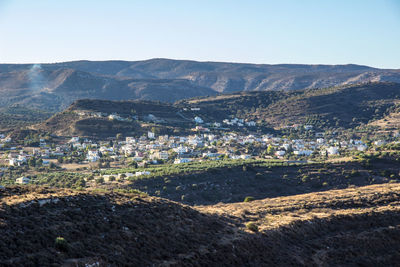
100, 180
61, 244
248, 199
252, 227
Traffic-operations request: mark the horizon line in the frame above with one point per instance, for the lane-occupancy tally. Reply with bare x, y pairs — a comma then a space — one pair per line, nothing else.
192, 60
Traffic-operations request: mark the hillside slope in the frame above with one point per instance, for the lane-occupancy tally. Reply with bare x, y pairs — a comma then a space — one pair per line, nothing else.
53, 87
343, 106
337, 107
88, 117
342, 227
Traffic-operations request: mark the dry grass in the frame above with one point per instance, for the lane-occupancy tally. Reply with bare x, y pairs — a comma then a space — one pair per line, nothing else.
355, 226
276, 212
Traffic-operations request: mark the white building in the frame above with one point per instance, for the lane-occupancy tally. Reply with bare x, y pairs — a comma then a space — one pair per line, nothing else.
184, 160
92, 156
22, 180
130, 140
160, 155
151, 135
198, 120
379, 143
115, 117
362, 147
333, 150
303, 152
251, 123
74, 139
181, 149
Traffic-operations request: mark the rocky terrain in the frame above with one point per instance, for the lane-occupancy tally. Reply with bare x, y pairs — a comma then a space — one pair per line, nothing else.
43, 226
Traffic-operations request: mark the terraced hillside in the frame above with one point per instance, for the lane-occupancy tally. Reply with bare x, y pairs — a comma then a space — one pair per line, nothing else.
359, 226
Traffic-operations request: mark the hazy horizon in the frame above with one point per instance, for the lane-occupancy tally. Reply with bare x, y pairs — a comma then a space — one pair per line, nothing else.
203, 61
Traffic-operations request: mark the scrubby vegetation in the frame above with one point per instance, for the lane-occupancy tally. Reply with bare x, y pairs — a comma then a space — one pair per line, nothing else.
232, 181
16, 117
43, 226
336, 107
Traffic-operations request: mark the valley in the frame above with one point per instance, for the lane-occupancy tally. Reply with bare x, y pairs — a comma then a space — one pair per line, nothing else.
295, 177
199, 133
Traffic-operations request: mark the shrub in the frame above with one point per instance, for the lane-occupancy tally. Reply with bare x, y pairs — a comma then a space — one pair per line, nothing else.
61, 244
252, 227
305, 179
248, 199
100, 180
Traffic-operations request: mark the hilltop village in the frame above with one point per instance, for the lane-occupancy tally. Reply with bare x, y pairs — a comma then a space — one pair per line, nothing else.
82, 153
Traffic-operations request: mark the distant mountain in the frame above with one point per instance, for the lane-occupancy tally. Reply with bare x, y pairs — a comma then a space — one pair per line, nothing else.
53, 87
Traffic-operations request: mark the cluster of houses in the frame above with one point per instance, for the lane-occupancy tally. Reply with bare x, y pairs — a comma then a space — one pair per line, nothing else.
325, 147
227, 122
239, 122
152, 149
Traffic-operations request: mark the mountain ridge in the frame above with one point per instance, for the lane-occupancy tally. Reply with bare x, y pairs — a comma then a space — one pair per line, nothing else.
53, 86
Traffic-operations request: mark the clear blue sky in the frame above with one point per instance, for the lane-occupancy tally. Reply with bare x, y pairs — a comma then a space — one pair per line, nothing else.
282, 31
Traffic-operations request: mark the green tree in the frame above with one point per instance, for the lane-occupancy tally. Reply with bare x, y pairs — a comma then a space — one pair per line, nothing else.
270, 150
